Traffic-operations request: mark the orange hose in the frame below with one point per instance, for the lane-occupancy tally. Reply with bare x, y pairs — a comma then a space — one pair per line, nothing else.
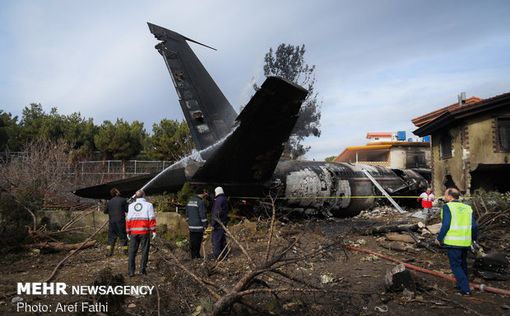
481, 287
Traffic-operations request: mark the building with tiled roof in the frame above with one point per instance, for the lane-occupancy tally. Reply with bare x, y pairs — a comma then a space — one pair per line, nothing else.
470, 143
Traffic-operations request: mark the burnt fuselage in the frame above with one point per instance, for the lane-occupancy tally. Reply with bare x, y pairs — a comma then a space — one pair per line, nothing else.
339, 189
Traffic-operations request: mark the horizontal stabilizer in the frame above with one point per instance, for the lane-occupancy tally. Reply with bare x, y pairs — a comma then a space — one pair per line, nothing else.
171, 183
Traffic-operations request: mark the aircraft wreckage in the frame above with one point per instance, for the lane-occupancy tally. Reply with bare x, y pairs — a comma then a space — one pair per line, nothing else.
242, 152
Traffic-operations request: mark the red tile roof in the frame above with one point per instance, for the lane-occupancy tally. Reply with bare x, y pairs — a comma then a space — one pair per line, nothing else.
424, 119
449, 116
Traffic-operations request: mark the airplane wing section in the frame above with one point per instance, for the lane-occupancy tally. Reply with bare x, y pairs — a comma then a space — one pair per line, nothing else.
251, 152
172, 182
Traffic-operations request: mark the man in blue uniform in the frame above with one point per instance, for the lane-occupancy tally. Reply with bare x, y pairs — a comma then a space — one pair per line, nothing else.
458, 231
219, 213
197, 221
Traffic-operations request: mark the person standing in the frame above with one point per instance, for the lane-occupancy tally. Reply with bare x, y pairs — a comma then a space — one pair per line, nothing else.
116, 209
219, 214
197, 222
458, 231
140, 225
426, 199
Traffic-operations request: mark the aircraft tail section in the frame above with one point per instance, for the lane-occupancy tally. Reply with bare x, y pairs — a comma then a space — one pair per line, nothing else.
251, 153
208, 113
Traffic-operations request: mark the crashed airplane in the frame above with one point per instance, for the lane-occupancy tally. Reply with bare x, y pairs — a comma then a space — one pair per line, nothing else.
242, 152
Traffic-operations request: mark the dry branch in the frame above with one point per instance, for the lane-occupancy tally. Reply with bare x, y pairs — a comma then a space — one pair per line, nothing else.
236, 241
61, 246
74, 252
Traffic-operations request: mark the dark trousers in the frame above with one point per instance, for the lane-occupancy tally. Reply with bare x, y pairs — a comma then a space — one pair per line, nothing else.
195, 242
137, 240
219, 242
117, 229
458, 264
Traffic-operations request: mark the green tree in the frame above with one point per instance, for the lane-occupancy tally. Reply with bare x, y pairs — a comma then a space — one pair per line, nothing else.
121, 140
9, 132
288, 61
170, 140
330, 159
31, 123
80, 132
74, 129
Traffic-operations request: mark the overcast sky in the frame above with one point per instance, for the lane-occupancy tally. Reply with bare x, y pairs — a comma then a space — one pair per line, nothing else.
379, 63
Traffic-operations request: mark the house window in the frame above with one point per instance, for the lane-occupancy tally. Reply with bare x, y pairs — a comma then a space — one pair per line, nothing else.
446, 145
503, 130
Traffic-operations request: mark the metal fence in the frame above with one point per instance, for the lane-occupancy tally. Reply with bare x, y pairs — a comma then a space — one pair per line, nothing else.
119, 167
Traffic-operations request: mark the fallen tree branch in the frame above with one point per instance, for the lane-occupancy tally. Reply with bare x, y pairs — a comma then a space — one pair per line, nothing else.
392, 228
74, 252
271, 230
236, 242
49, 245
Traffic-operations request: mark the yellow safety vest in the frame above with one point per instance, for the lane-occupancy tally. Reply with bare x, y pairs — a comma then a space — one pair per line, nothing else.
459, 233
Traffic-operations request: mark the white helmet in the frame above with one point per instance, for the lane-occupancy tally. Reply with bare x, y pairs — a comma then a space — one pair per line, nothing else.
218, 191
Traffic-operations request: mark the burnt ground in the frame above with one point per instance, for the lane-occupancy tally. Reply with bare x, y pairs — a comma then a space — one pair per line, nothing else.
355, 284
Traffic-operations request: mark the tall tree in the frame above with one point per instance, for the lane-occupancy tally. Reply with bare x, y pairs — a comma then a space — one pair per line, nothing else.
170, 140
121, 140
9, 132
288, 62
80, 132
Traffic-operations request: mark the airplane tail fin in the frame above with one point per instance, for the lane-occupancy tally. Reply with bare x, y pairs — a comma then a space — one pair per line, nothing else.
251, 153
208, 113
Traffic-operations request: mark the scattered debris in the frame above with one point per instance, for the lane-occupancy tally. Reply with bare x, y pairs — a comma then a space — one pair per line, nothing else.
400, 237
370, 258
16, 299
397, 246
399, 278
493, 266
361, 242
381, 308
327, 278
392, 228
434, 229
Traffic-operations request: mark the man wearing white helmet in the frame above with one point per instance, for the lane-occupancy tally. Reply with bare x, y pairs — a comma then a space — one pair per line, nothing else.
219, 214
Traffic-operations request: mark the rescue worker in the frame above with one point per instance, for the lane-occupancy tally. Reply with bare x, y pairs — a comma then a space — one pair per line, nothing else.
219, 213
140, 225
426, 199
116, 209
197, 221
458, 231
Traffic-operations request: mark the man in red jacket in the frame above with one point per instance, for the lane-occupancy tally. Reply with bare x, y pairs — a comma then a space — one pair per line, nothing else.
426, 199
140, 225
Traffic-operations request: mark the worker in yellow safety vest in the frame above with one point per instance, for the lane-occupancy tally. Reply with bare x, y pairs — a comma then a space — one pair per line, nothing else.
458, 231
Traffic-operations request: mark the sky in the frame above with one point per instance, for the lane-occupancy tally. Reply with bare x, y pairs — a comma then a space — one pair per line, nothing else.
379, 63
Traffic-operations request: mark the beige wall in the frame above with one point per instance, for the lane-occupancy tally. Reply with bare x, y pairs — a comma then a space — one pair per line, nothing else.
473, 144
398, 156
173, 220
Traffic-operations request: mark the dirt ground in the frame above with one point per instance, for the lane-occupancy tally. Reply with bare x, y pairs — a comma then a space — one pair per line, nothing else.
352, 283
